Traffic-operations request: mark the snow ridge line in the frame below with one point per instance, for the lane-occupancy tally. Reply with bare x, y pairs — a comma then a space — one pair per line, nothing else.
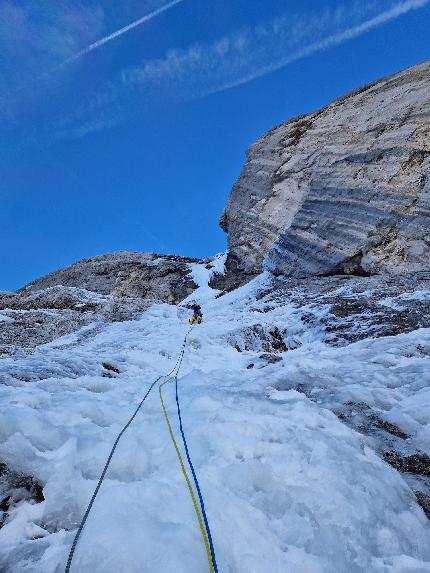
103, 474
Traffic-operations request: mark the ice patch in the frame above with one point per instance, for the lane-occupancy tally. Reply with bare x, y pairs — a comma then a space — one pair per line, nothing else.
202, 274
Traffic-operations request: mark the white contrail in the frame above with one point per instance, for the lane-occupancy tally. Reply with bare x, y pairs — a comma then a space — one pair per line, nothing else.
237, 59
214, 68
349, 34
120, 32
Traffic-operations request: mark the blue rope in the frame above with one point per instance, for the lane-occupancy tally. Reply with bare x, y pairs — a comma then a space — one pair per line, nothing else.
93, 498
196, 481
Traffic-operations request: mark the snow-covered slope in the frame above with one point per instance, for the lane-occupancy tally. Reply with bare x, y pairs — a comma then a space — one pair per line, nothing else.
289, 485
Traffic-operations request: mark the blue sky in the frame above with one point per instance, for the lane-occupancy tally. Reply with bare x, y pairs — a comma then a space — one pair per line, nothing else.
134, 142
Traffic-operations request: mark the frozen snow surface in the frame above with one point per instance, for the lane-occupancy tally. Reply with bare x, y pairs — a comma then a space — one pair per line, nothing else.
288, 486
202, 275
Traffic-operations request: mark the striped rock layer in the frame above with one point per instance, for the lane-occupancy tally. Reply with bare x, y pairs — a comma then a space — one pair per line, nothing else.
342, 190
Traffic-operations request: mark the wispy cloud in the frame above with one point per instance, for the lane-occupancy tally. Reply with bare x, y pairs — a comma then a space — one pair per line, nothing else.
120, 32
231, 61
38, 40
250, 54
332, 40
35, 36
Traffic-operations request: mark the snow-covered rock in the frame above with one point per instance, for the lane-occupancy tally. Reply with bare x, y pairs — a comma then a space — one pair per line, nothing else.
345, 189
30, 318
107, 288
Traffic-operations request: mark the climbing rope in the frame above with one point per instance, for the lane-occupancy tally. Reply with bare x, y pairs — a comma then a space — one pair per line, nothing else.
90, 505
187, 479
203, 522
196, 481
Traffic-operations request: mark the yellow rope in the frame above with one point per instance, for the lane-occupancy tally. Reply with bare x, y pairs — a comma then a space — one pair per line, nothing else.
187, 479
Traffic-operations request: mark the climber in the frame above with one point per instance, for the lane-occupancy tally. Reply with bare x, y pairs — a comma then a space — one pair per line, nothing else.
197, 314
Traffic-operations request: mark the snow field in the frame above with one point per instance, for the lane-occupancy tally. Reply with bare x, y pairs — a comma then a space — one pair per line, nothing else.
287, 486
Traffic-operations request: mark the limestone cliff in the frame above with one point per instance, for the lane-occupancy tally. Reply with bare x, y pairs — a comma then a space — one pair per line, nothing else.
342, 190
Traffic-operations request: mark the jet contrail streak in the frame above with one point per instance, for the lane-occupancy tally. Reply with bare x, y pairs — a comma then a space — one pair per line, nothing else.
120, 32
396, 11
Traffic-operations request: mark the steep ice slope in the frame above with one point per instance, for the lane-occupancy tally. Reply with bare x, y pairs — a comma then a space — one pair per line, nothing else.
287, 485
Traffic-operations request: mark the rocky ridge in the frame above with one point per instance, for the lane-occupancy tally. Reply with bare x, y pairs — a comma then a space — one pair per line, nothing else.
107, 288
142, 275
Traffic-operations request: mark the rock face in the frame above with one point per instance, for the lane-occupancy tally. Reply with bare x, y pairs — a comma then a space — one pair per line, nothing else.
28, 319
343, 190
142, 275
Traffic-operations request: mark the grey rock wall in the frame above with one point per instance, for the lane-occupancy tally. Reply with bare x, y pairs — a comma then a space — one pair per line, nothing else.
141, 275
28, 319
343, 190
